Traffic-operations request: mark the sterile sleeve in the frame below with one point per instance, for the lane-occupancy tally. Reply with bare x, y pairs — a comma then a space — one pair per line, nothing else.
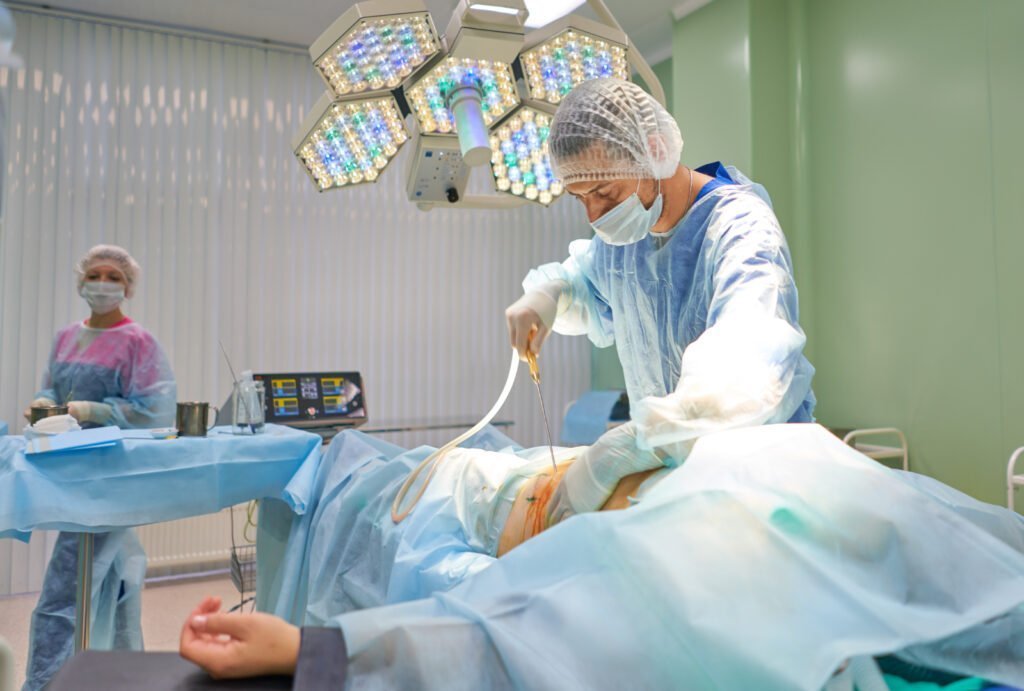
47, 392
149, 392
742, 371
581, 308
420, 645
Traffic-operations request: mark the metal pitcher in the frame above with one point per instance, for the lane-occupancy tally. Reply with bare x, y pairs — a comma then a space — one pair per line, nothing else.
192, 418
39, 412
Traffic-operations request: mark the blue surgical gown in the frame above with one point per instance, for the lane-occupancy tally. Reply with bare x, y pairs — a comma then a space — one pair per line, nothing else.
705, 318
124, 368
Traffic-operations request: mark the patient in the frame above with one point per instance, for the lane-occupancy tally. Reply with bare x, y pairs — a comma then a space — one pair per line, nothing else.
773, 557
243, 645
530, 507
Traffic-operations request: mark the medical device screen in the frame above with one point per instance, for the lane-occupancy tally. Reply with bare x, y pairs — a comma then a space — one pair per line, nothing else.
314, 399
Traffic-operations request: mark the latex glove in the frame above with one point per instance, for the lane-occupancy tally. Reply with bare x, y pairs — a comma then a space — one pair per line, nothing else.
39, 402
231, 646
90, 411
592, 478
531, 317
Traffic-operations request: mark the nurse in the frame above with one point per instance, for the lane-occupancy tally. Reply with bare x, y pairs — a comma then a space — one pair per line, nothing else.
110, 371
688, 274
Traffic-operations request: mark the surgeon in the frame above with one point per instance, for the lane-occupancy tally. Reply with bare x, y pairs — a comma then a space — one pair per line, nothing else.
688, 274
110, 371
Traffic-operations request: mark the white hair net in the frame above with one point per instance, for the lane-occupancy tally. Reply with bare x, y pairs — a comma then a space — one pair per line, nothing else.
111, 255
610, 129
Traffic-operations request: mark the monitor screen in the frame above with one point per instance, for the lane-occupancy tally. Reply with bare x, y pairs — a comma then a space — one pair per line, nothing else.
314, 399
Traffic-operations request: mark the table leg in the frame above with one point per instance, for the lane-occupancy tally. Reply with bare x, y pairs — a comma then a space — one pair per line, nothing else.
84, 597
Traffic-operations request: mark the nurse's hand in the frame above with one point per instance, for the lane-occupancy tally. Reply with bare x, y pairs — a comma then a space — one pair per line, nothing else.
37, 402
76, 410
91, 411
231, 646
592, 478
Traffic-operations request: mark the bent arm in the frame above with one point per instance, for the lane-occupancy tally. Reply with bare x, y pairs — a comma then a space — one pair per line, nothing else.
581, 308
150, 393
744, 370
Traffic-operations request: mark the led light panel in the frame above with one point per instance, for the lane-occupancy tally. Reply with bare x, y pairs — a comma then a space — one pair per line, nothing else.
519, 157
378, 53
427, 96
554, 67
352, 141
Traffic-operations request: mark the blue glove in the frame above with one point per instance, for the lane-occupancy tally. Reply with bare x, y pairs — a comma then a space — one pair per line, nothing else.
592, 478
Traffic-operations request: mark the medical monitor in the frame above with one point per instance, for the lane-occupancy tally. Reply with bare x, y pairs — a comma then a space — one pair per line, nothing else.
314, 399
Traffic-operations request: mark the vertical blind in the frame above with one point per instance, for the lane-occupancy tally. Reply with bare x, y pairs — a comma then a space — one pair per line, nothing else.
177, 148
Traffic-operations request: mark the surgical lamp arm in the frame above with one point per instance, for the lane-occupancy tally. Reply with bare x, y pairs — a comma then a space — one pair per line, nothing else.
477, 201
636, 58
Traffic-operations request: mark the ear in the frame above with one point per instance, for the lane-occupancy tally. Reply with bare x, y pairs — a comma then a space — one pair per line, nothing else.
656, 148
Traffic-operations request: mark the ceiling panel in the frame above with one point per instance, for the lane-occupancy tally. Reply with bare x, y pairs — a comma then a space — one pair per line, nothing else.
299, 22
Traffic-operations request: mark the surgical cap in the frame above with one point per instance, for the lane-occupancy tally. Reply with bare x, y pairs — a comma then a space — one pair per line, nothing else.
111, 255
610, 129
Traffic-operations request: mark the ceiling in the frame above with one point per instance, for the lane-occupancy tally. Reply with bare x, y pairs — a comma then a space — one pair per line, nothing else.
299, 22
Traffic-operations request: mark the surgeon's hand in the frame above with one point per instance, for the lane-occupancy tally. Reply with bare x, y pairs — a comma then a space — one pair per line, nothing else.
231, 646
531, 317
589, 481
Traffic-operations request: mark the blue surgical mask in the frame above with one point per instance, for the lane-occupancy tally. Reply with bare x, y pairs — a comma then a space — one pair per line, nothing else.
102, 296
629, 221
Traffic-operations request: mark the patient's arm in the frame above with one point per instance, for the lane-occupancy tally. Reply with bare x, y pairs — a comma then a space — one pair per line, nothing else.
238, 645
529, 510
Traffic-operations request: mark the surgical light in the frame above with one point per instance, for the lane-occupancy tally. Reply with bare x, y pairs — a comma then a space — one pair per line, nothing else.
491, 30
556, 65
349, 142
384, 60
519, 157
464, 96
364, 52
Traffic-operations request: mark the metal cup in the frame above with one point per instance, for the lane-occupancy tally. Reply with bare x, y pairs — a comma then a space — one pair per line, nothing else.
39, 412
192, 418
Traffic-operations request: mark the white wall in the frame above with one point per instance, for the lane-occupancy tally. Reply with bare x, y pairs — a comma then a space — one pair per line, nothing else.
177, 148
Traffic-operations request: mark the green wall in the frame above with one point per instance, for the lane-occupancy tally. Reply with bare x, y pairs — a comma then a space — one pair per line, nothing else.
888, 133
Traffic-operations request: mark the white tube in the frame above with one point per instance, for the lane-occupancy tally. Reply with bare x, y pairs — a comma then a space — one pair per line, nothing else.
397, 513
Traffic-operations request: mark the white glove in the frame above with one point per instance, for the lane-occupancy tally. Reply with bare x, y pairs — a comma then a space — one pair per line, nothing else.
531, 317
592, 478
91, 411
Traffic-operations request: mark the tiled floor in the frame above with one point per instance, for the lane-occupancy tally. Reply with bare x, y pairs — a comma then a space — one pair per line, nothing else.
164, 608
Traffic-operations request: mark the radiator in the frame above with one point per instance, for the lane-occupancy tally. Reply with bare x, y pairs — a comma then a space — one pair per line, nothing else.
193, 544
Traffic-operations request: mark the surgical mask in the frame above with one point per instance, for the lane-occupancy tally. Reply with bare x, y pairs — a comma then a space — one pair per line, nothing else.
102, 296
629, 221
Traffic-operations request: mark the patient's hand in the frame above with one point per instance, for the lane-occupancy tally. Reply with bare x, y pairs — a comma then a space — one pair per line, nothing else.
238, 645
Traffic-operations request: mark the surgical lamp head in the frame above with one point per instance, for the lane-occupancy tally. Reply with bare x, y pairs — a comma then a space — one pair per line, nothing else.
467, 96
